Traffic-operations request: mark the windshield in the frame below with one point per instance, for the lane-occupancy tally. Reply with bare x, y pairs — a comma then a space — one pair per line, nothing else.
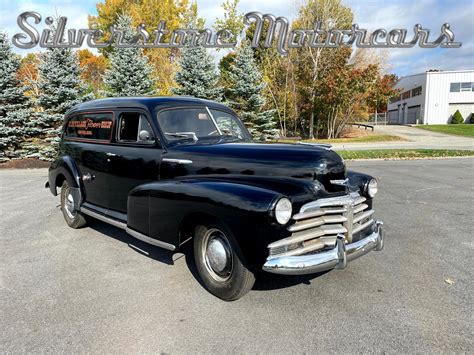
200, 123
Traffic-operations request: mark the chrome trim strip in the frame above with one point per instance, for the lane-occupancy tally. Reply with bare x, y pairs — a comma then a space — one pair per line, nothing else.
331, 259
103, 218
149, 240
316, 222
341, 182
353, 198
177, 161
187, 240
312, 233
321, 145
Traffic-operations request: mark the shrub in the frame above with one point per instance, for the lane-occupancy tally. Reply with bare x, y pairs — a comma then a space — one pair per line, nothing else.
457, 118
472, 118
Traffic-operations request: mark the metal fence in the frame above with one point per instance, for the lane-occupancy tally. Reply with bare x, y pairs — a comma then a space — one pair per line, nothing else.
378, 119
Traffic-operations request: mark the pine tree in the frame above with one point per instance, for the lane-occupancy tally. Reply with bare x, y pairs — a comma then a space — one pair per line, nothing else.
130, 74
60, 89
245, 95
15, 107
197, 75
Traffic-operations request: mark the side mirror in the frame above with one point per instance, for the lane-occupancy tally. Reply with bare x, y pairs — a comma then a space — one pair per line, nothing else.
144, 136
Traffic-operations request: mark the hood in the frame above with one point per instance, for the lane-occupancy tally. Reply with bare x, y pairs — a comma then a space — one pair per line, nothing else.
296, 161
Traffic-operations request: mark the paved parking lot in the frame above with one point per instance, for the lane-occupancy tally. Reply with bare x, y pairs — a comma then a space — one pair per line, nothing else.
91, 290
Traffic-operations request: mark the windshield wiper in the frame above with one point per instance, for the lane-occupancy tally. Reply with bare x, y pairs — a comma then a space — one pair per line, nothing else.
228, 137
183, 135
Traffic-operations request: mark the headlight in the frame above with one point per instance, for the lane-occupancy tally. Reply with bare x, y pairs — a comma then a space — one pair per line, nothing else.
372, 187
283, 210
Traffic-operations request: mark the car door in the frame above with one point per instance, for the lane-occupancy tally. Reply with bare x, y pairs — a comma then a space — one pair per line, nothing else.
88, 136
136, 159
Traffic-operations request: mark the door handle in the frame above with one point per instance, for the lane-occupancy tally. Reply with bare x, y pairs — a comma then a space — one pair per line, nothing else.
111, 154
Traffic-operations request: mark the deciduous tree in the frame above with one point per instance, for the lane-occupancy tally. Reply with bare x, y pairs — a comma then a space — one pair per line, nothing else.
150, 13
92, 69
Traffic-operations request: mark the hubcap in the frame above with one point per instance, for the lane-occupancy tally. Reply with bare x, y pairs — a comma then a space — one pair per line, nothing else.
217, 255
69, 205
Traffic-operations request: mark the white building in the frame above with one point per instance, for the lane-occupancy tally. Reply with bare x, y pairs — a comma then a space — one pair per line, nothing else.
433, 97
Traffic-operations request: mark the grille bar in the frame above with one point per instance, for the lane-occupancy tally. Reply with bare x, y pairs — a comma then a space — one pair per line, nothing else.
319, 222
314, 222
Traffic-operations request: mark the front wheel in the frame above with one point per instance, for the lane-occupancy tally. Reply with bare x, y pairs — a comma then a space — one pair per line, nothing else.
221, 269
74, 218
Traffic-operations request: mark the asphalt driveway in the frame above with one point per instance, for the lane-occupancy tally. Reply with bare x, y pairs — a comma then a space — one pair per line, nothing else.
98, 290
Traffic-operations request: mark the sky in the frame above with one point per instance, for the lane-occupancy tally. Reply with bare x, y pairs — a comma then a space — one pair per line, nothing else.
369, 14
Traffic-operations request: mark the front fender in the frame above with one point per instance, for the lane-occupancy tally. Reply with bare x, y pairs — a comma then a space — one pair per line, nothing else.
62, 168
358, 181
159, 209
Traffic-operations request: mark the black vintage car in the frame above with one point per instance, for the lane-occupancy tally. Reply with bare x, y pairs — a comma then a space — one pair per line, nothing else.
172, 170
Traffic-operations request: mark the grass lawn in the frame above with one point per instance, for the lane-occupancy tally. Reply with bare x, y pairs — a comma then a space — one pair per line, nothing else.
466, 130
402, 153
364, 139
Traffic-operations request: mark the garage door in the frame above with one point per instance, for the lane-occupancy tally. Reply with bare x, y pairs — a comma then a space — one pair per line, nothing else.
413, 114
393, 117
465, 109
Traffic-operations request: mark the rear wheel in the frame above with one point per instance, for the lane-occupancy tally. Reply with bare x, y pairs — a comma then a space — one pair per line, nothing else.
74, 218
219, 265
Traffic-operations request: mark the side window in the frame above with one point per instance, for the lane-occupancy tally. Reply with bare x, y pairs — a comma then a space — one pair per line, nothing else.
94, 126
134, 128
227, 123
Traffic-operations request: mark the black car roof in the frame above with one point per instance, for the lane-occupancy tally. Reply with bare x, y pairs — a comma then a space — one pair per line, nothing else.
145, 102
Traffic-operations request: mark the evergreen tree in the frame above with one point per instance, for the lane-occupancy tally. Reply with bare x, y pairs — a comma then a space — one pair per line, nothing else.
15, 108
245, 95
130, 74
60, 89
197, 75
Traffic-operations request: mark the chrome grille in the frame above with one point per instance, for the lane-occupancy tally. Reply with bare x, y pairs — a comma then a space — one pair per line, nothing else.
318, 223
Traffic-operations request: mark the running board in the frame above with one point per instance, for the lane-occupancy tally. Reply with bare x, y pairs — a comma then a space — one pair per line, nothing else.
121, 225
149, 240
103, 218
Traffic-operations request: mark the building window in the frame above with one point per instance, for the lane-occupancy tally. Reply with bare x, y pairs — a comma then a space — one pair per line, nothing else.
455, 87
416, 91
462, 87
406, 95
466, 86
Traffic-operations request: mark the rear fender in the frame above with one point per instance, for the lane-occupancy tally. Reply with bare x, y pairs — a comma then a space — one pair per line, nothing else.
65, 168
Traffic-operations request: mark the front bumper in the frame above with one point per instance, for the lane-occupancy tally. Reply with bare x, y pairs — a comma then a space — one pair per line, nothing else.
335, 258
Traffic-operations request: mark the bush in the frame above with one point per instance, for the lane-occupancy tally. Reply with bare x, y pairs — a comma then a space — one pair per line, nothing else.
472, 118
457, 118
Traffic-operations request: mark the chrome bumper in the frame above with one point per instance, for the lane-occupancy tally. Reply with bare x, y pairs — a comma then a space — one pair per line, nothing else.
336, 258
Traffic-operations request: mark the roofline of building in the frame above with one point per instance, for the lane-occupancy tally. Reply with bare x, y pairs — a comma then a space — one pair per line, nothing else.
438, 72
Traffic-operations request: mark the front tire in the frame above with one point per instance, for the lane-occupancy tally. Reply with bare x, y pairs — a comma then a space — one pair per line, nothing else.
221, 269
74, 218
